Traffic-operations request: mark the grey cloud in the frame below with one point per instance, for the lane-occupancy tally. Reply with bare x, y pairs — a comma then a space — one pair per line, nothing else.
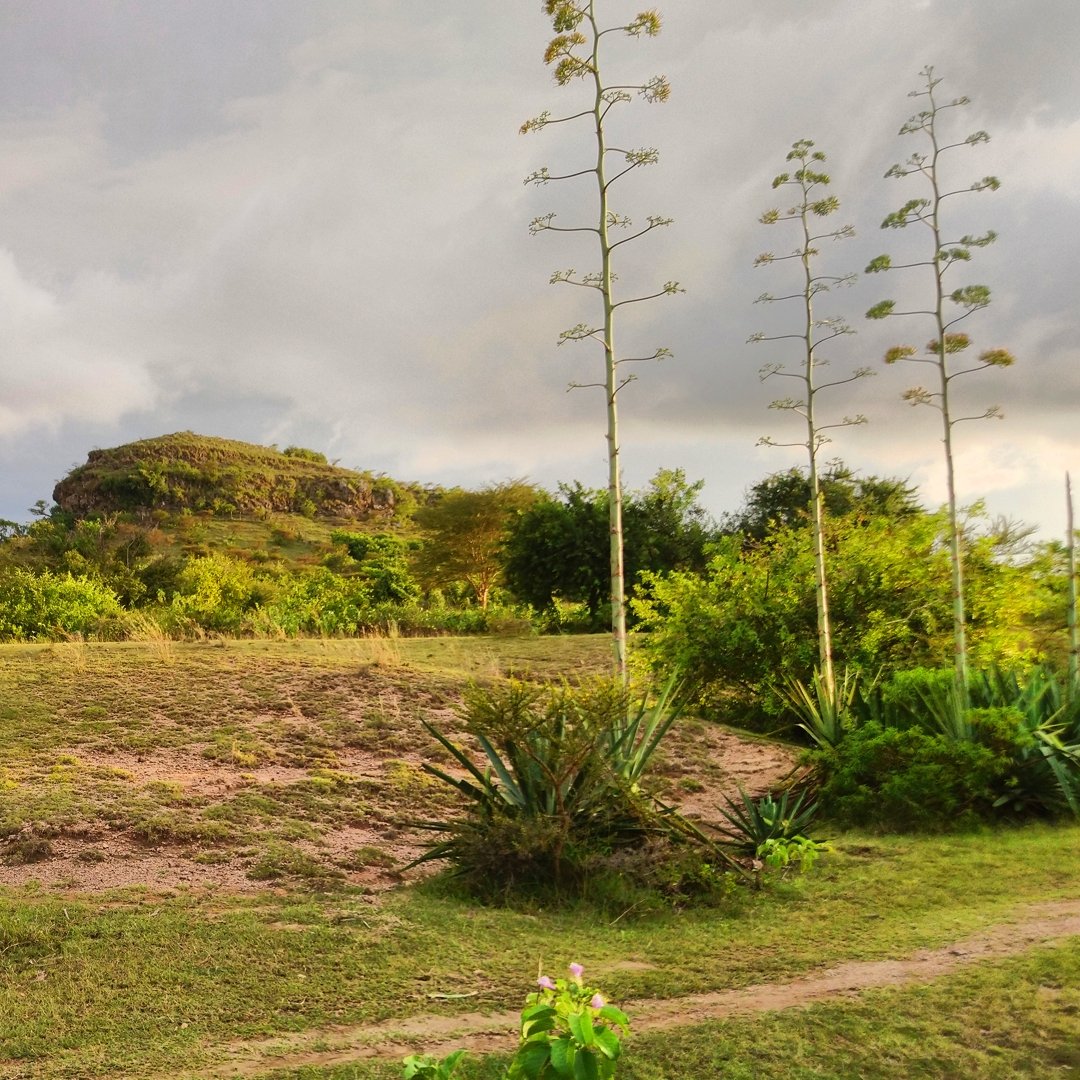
305, 222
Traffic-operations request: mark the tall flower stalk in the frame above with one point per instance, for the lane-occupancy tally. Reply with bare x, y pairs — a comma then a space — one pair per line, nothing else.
944, 350
575, 54
809, 183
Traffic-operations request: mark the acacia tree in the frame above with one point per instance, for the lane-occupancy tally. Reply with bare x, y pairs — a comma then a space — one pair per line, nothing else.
558, 548
813, 203
575, 53
947, 344
465, 532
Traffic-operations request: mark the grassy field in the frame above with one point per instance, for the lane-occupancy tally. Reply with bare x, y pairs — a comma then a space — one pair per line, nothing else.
228, 822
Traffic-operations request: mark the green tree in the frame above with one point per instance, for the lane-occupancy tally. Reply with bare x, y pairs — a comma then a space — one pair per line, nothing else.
464, 534
219, 593
946, 346
781, 500
745, 627
809, 183
575, 53
383, 564
666, 526
557, 550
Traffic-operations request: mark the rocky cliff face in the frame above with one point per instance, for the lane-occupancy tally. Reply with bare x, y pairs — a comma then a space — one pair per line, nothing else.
192, 472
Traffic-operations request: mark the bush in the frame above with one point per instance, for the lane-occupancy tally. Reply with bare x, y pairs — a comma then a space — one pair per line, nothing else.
746, 628
558, 793
53, 606
220, 594
892, 778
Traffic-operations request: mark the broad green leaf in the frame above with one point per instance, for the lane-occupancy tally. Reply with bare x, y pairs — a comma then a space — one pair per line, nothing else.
608, 1043
582, 1028
615, 1016
585, 1067
529, 1061
563, 1053
537, 1019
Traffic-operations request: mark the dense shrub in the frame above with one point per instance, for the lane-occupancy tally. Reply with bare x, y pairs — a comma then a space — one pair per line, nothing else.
219, 594
893, 778
746, 628
911, 752
320, 603
52, 606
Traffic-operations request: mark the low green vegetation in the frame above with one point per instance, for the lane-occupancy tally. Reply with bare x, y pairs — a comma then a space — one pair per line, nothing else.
139, 983
255, 719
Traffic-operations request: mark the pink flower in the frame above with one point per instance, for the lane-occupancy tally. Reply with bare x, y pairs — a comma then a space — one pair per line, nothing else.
576, 970
545, 982
597, 1002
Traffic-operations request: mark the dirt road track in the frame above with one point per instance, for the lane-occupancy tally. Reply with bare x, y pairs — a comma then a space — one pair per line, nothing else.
1035, 925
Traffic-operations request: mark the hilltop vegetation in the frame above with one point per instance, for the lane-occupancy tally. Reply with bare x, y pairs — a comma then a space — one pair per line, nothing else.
188, 472
185, 535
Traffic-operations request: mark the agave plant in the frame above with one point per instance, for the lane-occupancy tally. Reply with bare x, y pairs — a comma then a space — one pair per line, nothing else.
754, 821
1047, 773
557, 781
1046, 766
638, 729
948, 713
824, 713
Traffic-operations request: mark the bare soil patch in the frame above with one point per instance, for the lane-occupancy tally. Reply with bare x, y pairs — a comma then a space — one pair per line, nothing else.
699, 764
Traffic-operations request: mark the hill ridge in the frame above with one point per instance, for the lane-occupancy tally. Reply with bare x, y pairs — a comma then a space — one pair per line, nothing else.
185, 471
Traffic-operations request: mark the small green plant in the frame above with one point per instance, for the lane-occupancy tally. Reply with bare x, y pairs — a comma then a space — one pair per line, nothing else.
426, 1067
638, 728
825, 710
558, 788
791, 852
568, 1031
754, 822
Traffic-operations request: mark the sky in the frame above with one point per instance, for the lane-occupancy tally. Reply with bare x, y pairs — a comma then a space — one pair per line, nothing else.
303, 222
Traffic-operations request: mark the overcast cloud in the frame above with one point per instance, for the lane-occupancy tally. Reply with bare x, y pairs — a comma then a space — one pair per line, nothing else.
303, 221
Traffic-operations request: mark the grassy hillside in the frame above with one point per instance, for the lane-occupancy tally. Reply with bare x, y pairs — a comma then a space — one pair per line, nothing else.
200, 878
295, 540
251, 761
188, 472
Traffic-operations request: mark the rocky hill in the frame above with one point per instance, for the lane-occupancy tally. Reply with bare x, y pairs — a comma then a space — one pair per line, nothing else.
192, 472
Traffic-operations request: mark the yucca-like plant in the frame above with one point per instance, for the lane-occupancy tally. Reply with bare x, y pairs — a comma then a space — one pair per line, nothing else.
947, 713
558, 781
1047, 774
1046, 742
638, 729
824, 710
754, 821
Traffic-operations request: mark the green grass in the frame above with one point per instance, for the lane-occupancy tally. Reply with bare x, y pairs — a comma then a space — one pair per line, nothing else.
997, 1021
138, 982
68, 710
143, 983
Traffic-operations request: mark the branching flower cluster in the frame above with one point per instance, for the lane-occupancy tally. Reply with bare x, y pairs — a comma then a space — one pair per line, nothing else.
809, 181
574, 55
947, 344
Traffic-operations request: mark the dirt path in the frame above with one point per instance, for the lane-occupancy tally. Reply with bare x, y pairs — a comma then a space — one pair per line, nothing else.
485, 1033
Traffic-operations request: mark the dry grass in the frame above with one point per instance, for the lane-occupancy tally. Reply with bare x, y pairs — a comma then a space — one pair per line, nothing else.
213, 755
